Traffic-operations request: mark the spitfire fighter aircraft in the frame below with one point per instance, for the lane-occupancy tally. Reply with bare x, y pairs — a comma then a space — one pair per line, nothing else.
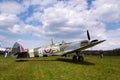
63, 49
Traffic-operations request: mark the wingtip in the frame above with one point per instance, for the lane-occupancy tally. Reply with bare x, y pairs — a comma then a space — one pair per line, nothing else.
103, 40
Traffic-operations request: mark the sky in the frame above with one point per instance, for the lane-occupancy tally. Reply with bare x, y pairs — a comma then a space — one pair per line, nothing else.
33, 23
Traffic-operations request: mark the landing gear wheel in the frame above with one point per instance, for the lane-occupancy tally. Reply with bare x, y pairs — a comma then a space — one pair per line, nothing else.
75, 58
80, 58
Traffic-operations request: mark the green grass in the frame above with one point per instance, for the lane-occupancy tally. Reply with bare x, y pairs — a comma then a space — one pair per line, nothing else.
60, 68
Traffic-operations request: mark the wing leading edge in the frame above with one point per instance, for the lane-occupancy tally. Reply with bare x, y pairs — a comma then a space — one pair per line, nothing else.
91, 44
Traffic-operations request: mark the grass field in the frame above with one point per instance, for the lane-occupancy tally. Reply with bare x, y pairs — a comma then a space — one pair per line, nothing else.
60, 68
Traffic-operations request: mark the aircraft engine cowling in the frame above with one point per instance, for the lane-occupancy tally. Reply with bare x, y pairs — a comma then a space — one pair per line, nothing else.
84, 43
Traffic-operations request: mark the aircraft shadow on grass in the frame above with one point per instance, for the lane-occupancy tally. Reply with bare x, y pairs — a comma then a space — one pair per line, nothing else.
60, 59
25, 60
71, 61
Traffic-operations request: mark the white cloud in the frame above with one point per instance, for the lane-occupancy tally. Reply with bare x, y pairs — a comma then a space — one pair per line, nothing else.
112, 40
2, 37
61, 18
106, 10
4, 42
11, 7
42, 2
24, 29
7, 20
67, 19
35, 17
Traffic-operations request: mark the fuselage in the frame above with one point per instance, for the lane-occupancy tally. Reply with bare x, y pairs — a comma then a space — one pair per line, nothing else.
56, 49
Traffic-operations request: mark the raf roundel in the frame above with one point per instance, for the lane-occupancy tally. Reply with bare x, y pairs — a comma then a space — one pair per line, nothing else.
47, 50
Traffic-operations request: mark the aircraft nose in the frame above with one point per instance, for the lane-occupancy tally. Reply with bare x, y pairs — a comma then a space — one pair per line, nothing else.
94, 40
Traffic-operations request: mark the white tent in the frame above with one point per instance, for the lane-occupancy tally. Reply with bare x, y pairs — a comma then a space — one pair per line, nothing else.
2, 49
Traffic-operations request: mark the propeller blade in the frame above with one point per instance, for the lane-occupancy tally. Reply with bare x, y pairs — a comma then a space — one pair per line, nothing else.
88, 35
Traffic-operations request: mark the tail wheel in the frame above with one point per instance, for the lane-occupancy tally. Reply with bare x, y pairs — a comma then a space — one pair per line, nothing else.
80, 58
75, 58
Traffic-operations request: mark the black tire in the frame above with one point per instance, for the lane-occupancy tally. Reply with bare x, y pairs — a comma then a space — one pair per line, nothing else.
45, 55
80, 58
75, 58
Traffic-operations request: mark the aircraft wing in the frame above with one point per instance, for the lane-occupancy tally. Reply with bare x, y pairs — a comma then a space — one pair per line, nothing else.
91, 44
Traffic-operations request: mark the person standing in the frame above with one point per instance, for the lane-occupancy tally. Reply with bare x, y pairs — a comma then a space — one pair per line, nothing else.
101, 54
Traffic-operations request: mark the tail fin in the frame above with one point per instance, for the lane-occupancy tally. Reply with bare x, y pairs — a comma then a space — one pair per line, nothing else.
17, 48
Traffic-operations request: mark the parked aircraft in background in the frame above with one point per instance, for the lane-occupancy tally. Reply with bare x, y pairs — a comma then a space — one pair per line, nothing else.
64, 49
4, 51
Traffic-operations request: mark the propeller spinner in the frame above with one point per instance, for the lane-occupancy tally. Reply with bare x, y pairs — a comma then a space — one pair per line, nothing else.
88, 35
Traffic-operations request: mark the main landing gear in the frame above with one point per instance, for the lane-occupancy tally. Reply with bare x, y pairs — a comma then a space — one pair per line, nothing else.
78, 58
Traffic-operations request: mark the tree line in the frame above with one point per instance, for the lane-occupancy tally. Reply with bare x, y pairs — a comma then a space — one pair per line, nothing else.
114, 52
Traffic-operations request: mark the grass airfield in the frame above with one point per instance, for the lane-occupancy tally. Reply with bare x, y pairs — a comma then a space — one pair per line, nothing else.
60, 68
